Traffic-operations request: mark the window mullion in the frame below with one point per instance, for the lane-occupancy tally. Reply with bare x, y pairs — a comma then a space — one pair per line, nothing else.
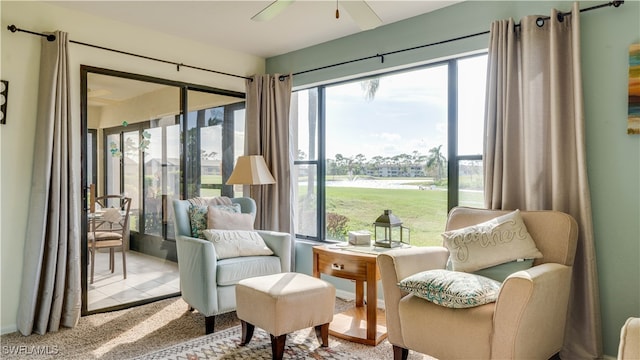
321, 169
452, 102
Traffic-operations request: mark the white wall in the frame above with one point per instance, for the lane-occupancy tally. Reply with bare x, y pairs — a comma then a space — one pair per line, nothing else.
20, 55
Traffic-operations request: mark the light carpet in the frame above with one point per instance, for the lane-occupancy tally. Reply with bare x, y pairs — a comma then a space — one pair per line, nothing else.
300, 345
146, 329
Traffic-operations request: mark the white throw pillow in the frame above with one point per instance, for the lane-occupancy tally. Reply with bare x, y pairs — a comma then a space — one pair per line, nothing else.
224, 220
490, 243
235, 243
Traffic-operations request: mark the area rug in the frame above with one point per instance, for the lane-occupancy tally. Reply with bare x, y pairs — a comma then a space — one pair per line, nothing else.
225, 344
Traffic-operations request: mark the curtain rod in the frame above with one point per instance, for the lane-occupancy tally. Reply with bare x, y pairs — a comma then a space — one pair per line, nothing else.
540, 22
51, 37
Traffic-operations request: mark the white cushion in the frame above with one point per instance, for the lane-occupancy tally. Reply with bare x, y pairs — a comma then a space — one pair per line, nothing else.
198, 216
490, 243
224, 220
235, 243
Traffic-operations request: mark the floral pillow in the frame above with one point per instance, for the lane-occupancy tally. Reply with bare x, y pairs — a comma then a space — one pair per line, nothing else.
452, 289
198, 217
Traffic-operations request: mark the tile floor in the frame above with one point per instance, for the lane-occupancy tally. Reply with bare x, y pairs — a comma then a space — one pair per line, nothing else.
147, 277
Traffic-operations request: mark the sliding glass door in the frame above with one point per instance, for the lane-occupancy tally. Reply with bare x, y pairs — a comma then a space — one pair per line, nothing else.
156, 140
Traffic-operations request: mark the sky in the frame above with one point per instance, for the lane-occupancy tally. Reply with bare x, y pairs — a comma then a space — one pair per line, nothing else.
408, 113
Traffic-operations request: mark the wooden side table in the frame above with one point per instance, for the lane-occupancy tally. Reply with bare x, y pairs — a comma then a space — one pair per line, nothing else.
361, 324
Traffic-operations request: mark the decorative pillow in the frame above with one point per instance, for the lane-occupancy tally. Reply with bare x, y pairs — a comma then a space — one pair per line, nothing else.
210, 200
224, 220
490, 243
452, 289
235, 243
500, 272
198, 217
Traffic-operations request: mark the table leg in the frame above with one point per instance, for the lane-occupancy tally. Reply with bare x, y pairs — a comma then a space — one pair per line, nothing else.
359, 293
372, 300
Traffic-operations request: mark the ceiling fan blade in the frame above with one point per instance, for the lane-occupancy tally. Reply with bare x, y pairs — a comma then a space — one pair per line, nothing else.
362, 14
272, 10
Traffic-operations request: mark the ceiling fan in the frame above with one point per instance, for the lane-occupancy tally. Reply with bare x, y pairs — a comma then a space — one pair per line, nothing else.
359, 11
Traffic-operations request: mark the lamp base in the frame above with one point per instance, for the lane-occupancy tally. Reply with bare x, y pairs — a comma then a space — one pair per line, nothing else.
387, 244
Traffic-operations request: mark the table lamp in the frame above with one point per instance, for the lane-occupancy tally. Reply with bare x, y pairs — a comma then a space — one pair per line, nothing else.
251, 170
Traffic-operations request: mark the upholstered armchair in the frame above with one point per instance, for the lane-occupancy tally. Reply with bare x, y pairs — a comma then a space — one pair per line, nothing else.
208, 283
527, 321
629, 347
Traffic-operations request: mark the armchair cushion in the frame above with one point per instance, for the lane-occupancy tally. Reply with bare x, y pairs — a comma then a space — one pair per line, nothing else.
452, 289
235, 243
499, 240
232, 270
198, 217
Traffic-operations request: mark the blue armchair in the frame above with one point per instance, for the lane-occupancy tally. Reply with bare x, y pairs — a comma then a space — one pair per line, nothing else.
208, 284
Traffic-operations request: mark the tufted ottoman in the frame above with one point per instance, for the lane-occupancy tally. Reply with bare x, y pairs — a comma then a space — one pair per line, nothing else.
283, 303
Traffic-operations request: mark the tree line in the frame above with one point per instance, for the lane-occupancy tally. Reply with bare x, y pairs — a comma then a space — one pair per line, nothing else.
433, 163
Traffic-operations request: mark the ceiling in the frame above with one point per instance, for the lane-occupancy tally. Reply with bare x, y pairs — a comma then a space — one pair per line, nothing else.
228, 24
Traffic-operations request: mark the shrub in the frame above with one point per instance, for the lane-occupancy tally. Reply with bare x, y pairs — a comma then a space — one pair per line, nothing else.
337, 226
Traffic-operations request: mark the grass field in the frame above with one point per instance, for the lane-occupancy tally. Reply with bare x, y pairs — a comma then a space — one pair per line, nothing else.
424, 212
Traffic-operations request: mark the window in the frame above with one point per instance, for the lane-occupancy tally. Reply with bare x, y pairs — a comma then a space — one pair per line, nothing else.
407, 141
210, 138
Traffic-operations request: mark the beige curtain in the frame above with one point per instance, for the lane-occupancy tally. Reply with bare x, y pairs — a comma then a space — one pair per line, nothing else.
50, 291
267, 134
535, 147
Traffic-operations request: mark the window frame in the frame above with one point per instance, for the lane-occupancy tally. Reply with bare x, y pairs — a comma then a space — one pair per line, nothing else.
453, 158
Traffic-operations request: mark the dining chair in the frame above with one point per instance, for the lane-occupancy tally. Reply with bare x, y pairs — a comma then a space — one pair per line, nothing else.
108, 229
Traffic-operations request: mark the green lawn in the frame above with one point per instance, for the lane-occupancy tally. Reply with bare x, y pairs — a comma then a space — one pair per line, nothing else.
423, 211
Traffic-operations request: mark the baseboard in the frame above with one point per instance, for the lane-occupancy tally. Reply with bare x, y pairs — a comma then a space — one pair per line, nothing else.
8, 329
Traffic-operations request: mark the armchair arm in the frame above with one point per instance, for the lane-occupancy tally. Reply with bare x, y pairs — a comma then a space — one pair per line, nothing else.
629, 347
398, 264
197, 265
280, 244
530, 313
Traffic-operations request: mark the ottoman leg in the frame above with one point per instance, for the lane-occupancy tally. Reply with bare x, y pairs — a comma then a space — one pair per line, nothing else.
277, 346
247, 332
322, 333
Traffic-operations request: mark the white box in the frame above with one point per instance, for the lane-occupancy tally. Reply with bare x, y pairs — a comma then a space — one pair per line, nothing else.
360, 237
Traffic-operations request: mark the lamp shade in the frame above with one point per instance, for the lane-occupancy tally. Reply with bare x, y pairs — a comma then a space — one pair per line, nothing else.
251, 170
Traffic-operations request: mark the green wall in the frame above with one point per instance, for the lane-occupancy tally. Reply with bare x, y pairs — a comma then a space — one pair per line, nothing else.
613, 156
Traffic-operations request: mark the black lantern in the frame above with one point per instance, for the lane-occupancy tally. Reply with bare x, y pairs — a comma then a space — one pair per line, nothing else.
390, 225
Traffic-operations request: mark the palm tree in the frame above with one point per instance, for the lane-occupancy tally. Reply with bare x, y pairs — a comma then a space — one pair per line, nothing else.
360, 160
437, 160
370, 87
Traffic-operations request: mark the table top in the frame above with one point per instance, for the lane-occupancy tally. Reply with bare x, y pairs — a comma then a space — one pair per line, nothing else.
366, 250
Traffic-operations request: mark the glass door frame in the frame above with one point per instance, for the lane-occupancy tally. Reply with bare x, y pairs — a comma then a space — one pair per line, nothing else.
185, 175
